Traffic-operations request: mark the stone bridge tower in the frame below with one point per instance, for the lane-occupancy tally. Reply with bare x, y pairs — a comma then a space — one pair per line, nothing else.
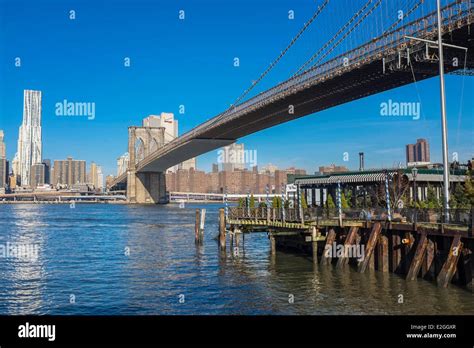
145, 187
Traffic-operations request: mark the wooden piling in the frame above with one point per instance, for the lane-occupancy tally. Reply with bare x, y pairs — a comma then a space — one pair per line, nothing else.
222, 226
407, 252
426, 268
396, 250
272, 244
196, 227
327, 256
382, 253
202, 222
314, 244
418, 258
350, 240
369, 249
449, 267
236, 237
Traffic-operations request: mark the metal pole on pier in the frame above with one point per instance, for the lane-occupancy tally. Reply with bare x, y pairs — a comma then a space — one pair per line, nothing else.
226, 204
283, 194
444, 125
443, 115
387, 197
339, 203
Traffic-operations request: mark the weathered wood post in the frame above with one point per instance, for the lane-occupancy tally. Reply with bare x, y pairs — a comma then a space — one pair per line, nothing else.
199, 225
222, 226
202, 222
427, 271
272, 244
396, 252
369, 250
314, 236
382, 253
196, 227
327, 253
449, 267
236, 237
418, 258
350, 240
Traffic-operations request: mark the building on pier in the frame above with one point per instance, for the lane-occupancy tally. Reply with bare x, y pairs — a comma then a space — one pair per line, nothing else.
366, 186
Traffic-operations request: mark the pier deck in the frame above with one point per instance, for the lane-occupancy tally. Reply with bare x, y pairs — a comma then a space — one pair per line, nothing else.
414, 243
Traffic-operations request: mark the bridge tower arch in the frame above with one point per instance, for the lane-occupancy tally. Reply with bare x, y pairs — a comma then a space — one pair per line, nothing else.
145, 187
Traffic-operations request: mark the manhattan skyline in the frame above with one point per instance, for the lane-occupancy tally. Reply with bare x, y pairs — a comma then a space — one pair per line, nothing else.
161, 78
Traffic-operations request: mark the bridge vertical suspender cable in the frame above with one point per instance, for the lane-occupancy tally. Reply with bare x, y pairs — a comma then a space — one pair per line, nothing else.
282, 54
346, 34
394, 25
367, 14
351, 20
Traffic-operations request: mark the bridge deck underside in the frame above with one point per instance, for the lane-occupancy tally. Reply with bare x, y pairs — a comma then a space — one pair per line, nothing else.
355, 84
188, 150
358, 82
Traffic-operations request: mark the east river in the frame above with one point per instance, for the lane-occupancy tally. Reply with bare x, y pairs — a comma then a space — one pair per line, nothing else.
105, 259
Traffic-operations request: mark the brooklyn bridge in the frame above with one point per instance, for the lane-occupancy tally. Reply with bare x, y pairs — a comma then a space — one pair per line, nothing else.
405, 51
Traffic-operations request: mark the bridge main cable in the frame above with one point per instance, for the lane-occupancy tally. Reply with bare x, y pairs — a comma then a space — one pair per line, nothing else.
282, 54
356, 25
326, 45
394, 25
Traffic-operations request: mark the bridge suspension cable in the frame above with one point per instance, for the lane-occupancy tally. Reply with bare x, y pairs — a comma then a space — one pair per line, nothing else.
344, 27
406, 15
282, 54
356, 25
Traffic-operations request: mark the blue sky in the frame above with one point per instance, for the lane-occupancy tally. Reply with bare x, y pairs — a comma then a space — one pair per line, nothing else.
190, 62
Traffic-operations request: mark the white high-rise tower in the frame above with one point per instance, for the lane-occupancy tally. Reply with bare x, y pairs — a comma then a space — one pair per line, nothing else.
29, 136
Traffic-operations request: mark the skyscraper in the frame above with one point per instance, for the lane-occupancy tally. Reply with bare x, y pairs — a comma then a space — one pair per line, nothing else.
2, 145
165, 120
69, 172
100, 179
3, 163
93, 175
122, 163
47, 171
96, 178
29, 136
419, 152
37, 174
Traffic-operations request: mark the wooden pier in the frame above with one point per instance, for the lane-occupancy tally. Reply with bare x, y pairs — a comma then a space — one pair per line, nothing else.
413, 243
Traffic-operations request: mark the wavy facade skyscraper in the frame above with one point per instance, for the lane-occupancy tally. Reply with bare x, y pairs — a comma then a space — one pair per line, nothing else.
29, 136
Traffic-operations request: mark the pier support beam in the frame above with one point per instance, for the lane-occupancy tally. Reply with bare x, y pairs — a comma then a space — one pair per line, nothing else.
222, 226
418, 258
272, 244
350, 240
449, 267
382, 254
236, 238
314, 244
371, 243
196, 227
407, 252
427, 271
327, 256
396, 252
